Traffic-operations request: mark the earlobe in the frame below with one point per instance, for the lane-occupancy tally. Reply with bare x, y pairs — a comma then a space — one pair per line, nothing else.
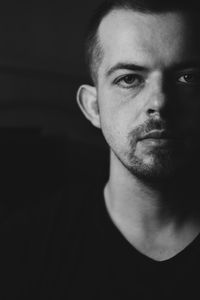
88, 103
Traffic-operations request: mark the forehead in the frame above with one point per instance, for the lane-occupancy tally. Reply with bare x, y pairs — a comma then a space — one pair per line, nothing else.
147, 38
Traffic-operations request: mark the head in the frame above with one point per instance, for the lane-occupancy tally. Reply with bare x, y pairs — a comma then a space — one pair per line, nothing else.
144, 60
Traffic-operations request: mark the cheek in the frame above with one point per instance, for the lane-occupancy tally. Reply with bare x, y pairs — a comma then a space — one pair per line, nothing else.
114, 126
189, 110
119, 114
122, 105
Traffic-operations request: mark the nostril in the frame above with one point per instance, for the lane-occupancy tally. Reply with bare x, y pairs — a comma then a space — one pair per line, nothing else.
151, 111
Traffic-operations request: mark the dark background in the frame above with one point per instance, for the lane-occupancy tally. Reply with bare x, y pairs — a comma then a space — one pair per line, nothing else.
44, 139
42, 64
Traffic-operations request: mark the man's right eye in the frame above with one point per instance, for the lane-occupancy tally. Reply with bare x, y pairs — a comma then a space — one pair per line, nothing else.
129, 81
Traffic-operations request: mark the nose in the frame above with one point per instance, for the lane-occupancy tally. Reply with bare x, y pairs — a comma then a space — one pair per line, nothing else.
157, 100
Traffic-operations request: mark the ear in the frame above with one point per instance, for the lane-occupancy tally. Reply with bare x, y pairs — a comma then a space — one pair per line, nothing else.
88, 103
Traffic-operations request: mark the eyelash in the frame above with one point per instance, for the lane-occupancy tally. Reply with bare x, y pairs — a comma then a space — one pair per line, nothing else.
140, 80
119, 81
195, 75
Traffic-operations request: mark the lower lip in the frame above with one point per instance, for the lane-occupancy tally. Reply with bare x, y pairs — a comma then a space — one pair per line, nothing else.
158, 142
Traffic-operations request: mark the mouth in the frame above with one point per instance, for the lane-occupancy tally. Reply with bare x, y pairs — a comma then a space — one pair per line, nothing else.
160, 138
158, 135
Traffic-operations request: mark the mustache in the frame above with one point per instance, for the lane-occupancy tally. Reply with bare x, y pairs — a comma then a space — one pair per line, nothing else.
148, 126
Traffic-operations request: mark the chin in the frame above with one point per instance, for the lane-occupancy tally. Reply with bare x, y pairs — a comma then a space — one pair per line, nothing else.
154, 168
152, 174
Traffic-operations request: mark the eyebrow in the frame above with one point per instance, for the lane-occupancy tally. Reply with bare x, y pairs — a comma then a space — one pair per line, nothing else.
186, 65
135, 67
125, 66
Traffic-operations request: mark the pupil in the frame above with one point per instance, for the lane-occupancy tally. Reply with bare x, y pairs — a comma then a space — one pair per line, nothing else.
188, 77
129, 78
193, 78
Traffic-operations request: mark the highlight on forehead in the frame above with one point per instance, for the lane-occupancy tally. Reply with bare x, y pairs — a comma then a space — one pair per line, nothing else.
94, 51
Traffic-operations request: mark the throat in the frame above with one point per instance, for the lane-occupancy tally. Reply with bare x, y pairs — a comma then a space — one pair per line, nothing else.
150, 235
162, 250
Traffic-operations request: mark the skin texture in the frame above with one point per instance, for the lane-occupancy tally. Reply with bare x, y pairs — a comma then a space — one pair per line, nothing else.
157, 44
148, 81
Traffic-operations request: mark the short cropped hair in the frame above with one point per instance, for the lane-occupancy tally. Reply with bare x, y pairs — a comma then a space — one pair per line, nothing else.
93, 49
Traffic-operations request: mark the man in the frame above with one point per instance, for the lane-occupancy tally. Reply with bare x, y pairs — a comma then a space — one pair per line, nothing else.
140, 238
145, 100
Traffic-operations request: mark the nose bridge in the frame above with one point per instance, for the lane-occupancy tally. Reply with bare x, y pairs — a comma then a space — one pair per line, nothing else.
157, 96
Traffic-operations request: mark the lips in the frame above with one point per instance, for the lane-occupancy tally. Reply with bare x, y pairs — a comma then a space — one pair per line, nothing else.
157, 134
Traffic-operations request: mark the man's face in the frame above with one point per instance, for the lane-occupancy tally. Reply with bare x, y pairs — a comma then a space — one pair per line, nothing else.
149, 89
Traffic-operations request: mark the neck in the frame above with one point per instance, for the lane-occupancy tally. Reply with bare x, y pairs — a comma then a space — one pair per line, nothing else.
140, 206
143, 216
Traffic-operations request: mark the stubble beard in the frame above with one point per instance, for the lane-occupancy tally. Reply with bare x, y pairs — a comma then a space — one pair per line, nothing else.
156, 166
151, 164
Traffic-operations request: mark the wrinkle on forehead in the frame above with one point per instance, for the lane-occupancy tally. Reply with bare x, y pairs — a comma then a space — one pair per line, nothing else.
134, 35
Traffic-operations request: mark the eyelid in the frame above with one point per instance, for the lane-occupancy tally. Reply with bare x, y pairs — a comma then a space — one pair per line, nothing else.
187, 72
124, 72
120, 78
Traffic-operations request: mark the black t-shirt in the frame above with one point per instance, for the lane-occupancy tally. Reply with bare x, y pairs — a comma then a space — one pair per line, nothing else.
77, 253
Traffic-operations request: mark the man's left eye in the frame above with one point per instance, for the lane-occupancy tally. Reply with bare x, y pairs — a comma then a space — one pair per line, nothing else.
190, 78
